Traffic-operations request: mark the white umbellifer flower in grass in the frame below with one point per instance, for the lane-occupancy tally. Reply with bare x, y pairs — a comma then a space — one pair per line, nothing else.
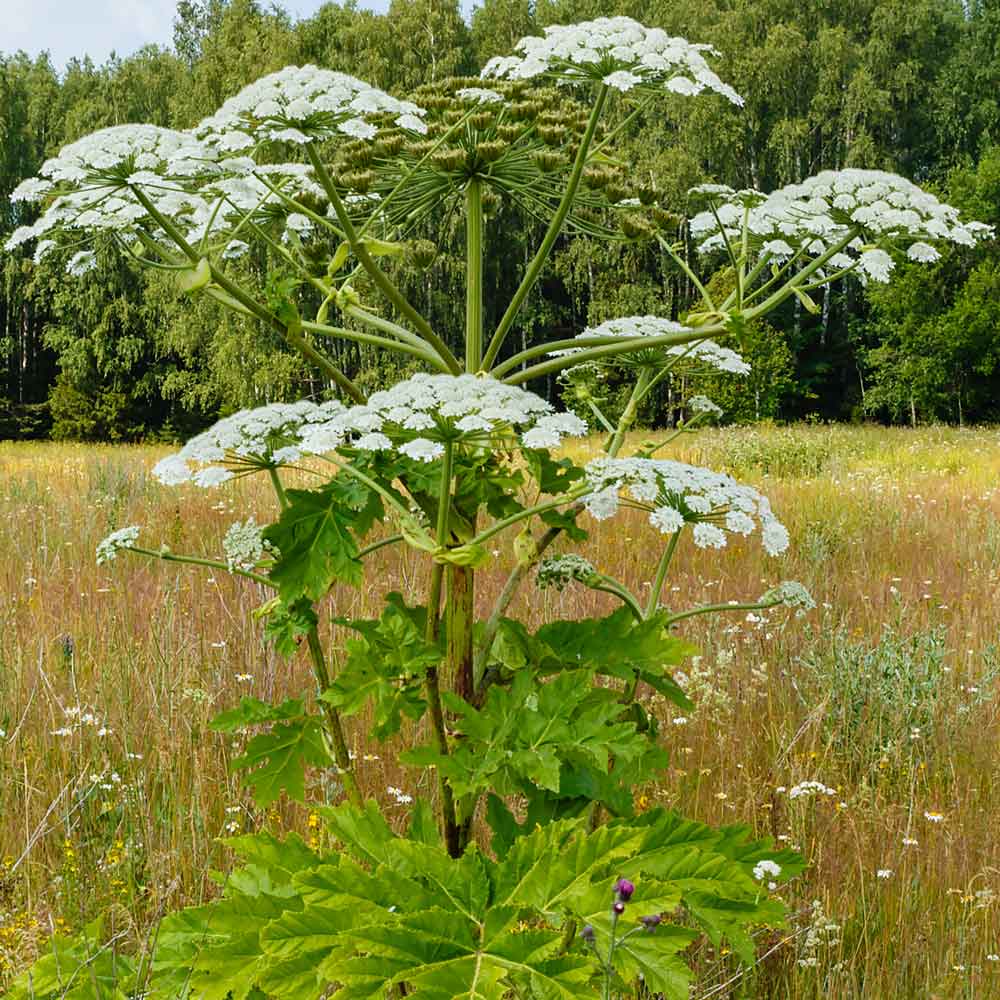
884, 873
676, 494
807, 789
702, 353
618, 51
123, 538
244, 545
791, 594
811, 217
262, 438
300, 104
417, 416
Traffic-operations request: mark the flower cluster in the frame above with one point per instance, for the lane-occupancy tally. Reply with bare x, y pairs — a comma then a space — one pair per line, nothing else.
244, 545
676, 494
767, 869
704, 353
702, 404
299, 104
123, 538
807, 789
416, 417
823, 211
560, 571
619, 52
262, 438
791, 594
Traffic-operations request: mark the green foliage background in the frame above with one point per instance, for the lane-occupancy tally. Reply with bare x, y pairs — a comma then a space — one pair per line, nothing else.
910, 87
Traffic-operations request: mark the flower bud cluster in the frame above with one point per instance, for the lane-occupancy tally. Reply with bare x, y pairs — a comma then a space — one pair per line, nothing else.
792, 594
559, 572
618, 51
676, 494
244, 545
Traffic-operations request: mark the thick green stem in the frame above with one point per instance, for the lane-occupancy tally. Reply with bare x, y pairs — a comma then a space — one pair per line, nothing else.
548, 241
661, 574
250, 303
382, 282
335, 729
279, 487
452, 832
473, 275
708, 609
197, 561
629, 413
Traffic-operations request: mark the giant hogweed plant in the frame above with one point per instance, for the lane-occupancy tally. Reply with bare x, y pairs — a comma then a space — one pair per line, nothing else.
530, 873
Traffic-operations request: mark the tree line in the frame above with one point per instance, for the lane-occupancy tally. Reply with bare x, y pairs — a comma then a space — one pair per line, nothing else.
911, 86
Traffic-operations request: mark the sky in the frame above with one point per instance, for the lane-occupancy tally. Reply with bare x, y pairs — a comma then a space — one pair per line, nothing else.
68, 28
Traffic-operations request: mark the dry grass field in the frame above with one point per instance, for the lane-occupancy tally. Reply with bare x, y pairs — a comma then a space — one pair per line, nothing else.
113, 791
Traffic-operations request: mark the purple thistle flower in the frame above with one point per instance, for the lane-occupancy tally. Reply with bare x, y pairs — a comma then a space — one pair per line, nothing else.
651, 921
624, 889
587, 934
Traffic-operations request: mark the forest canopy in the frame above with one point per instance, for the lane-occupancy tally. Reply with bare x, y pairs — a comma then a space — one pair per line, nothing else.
120, 353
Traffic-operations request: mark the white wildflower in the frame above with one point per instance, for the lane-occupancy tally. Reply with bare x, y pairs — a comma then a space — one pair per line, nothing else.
481, 95
422, 450
766, 868
698, 353
702, 404
264, 437
712, 501
808, 789
81, 262
790, 593
123, 538
884, 873
300, 104
244, 545
618, 51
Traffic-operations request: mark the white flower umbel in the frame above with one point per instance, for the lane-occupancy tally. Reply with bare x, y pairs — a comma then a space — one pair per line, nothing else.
808, 789
702, 404
887, 211
701, 353
791, 594
617, 51
244, 545
92, 181
417, 416
300, 104
123, 538
676, 494
263, 438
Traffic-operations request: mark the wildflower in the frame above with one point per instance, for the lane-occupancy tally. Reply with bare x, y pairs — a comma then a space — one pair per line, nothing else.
80, 263
807, 789
244, 545
884, 873
123, 538
702, 404
299, 104
700, 354
651, 921
910, 842
624, 889
822, 211
764, 868
674, 492
792, 594
587, 934
934, 817
636, 55
399, 795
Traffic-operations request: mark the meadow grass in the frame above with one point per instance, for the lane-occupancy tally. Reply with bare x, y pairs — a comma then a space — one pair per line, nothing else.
114, 793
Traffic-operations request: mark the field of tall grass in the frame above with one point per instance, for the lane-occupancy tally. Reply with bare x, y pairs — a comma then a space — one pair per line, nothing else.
114, 792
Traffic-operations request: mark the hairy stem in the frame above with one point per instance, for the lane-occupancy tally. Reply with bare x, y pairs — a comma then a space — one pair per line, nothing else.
548, 241
473, 275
